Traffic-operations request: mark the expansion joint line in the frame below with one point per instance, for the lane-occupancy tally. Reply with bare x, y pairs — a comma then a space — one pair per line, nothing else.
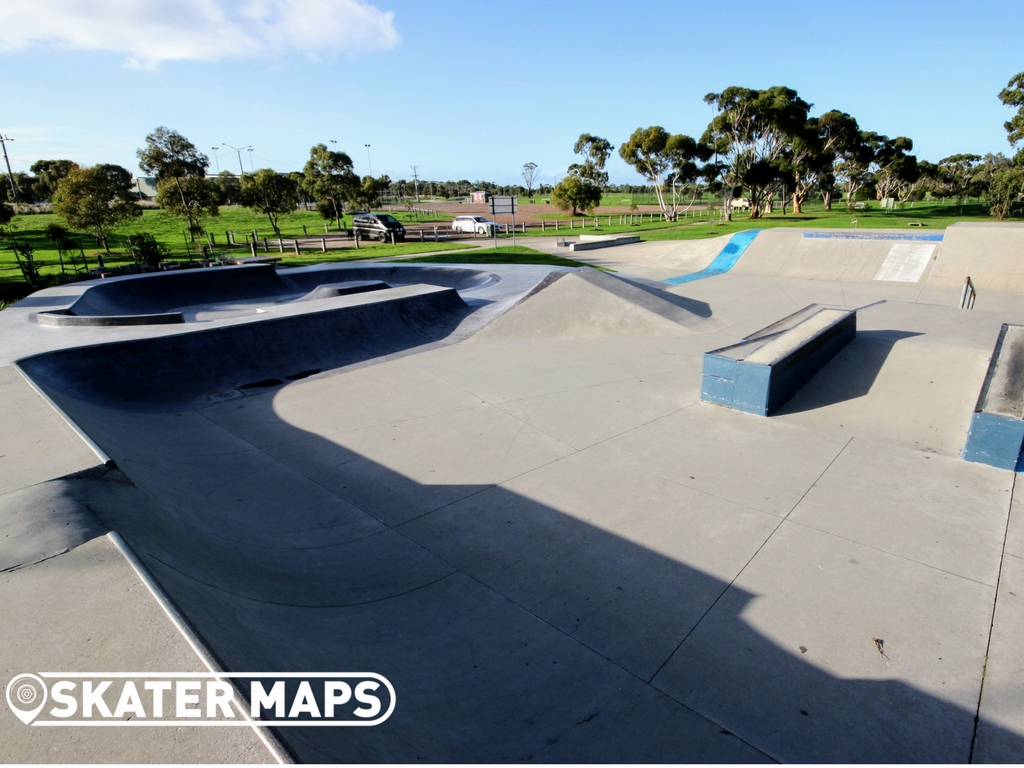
601, 655
749, 561
992, 623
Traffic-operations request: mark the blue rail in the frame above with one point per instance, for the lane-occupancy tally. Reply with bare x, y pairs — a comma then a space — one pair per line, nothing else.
724, 261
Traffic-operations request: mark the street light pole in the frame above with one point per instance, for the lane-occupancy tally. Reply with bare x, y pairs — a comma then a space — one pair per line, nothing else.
216, 160
241, 170
251, 166
368, 158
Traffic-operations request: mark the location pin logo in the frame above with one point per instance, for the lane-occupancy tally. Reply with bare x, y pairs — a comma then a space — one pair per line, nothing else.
26, 696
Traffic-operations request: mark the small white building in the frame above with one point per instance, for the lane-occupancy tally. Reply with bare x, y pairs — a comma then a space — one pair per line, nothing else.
479, 197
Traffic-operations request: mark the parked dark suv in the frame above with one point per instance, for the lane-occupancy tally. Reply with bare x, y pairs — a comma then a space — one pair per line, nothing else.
377, 226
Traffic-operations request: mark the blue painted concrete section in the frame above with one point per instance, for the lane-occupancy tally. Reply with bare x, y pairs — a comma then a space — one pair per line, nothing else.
994, 440
933, 238
736, 384
724, 261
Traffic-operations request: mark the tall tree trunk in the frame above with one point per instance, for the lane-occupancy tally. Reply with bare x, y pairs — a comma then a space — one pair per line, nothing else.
827, 196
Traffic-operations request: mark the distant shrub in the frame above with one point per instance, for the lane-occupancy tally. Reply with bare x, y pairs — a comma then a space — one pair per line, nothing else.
146, 251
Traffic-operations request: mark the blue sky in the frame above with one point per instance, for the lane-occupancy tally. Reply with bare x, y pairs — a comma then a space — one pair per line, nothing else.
473, 90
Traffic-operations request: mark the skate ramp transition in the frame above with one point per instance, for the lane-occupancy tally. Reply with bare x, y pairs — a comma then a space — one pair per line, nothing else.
198, 366
166, 297
990, 252
590, 304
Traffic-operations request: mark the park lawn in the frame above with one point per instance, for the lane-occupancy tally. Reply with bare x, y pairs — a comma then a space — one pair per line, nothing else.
507, 254
365, 251
934, 217
30, 230
243, 221
603, 227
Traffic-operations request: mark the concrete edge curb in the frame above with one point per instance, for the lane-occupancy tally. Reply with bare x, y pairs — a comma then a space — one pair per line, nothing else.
273, 745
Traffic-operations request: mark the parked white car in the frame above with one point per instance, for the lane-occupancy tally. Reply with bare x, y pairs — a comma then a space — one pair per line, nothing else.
477, 224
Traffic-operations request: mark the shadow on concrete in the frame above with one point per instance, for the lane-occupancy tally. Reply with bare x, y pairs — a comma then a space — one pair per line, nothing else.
511, 631
849, 375
657, 288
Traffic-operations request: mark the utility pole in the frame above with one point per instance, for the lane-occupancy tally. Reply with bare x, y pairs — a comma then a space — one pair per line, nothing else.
10, 176
416, 182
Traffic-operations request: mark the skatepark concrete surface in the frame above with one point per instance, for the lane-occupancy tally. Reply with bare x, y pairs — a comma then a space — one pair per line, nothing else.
499, 488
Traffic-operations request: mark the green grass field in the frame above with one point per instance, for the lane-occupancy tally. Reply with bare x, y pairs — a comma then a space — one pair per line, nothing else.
30, 230
932, 216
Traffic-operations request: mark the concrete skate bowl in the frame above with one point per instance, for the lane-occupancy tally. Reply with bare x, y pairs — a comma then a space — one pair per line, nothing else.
590, 304
203, 365
209, 294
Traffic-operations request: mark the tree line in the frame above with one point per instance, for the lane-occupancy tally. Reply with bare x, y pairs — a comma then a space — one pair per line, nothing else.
765, 145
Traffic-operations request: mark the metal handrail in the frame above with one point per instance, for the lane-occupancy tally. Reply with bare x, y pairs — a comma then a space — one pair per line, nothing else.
968, 294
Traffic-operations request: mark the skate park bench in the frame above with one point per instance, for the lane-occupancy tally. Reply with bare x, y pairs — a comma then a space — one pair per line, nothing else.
764, 370
997, 426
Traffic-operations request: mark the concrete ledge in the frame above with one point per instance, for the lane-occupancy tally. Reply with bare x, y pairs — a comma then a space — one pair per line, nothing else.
763, 371
997, 426
330, 290
591, 242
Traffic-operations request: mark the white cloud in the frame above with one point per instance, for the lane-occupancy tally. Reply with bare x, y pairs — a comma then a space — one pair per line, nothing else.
148, 32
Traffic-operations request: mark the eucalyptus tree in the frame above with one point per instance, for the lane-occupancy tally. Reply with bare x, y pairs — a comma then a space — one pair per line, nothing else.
329, 179
753, 130
1007, 183
96, 199
180, 170
529, 173
574, 194
1013, 96
270, 193
581, 189
894, 169
48, 173
669, 162
595, 152
840, 137
961, 175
